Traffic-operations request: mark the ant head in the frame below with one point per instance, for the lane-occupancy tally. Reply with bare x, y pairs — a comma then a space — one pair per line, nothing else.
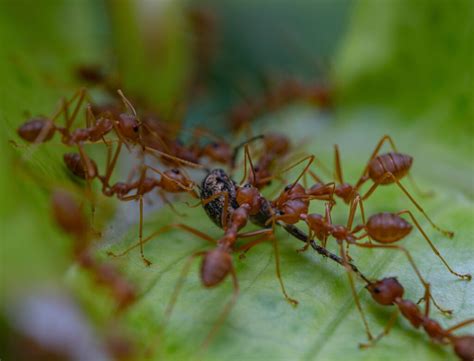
464, 347
129, 126
174, 180
250, 195
215, 267
386, 291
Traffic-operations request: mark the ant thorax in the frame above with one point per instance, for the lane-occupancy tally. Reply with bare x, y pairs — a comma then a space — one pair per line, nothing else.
217, 181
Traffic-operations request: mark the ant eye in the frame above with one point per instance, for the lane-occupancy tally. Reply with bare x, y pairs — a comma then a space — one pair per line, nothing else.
256, 169
288, 187
175, 171
377, 290
247, 185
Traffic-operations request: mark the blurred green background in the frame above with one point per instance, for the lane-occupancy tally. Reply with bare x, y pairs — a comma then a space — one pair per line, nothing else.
397, 67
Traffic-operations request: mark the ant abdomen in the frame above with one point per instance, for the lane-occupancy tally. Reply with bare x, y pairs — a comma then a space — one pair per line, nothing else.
396, 163
464, 347
74, 163
215, 266
68, 214
31, 130
387, 227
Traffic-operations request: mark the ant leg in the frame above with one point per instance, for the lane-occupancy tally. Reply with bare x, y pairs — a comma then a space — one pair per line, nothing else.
433, 248
169, 204
337, 165
315, 177
282, 218
310, 159
447, 233
189, 189
292, 301
140, 233
226, 205
155, 153
385, 332
111, 166
247, 156
425, 284
268, 234
72, 118
308, 241
357, 201
179, 285
354, 292
227, 308
162, 230
460, 325
90, 169
246, 247
237, 148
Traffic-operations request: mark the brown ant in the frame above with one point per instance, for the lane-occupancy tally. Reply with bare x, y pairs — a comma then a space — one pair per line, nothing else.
70, 218
275, 146
384, 228
382, 169
171, 181
276, 97
389, 291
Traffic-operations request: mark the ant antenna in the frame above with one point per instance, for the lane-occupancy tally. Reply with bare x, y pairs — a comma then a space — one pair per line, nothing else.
127, 103
239, 146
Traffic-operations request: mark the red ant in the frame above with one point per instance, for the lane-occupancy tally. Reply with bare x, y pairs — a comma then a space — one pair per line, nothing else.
276, 97
382, 169
171, 181
68, 215
292, 206
275, 146
384, 228
389, 291
229, 207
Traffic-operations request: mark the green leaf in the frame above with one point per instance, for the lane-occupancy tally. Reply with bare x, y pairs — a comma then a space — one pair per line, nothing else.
36, 70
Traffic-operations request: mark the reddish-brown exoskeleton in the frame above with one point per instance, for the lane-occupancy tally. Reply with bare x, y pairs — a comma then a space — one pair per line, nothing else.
384, 169
70, 218
276, 97
383, 228
389, 291
171, 181
275, 147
